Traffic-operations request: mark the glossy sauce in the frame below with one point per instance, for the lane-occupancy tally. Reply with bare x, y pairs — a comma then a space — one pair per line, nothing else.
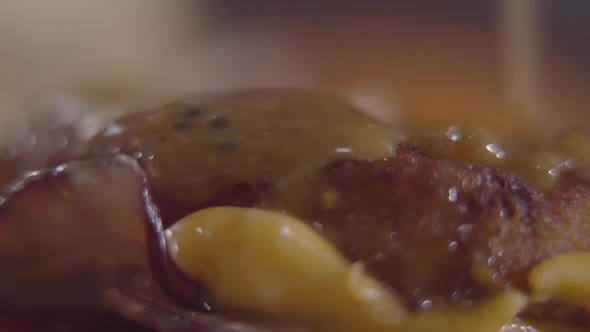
276, 142
540, 161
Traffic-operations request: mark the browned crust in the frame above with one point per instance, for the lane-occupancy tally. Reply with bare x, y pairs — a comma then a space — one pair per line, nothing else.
439, 229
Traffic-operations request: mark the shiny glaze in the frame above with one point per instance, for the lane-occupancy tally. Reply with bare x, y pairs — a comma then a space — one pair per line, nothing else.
274, 141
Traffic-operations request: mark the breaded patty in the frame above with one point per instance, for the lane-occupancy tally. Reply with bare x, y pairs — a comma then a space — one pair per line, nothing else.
435, 229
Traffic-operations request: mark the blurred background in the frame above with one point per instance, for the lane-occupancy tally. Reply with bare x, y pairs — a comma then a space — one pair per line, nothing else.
510, 66
497, 64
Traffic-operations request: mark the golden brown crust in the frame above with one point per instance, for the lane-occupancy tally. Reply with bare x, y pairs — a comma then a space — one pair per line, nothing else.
436, 230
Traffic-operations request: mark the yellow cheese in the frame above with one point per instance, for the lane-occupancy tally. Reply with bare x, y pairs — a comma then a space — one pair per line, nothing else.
565, 278
271, 263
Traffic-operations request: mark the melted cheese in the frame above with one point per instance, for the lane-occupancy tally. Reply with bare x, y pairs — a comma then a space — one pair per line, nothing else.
271, 263
490, 316
565, 278
266, 262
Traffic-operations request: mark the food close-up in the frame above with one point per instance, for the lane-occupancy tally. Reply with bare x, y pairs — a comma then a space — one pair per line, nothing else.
327, 196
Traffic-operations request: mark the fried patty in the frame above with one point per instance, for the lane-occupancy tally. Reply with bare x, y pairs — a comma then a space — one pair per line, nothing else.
436, 230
